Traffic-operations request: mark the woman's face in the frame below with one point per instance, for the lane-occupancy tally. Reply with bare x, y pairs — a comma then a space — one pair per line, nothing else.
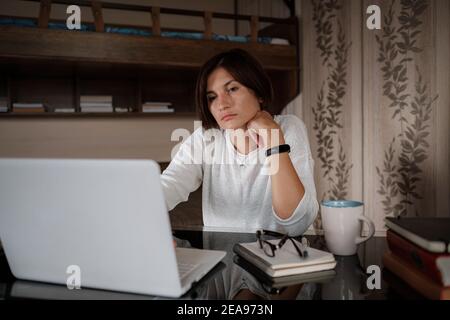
231, 103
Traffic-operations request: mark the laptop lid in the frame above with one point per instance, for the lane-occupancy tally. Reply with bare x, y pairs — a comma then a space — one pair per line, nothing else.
106, 217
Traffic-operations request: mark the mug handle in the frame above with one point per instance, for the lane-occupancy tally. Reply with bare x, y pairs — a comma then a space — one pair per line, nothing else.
371, 230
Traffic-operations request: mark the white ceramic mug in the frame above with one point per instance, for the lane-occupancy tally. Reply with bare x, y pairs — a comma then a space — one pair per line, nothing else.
341, 221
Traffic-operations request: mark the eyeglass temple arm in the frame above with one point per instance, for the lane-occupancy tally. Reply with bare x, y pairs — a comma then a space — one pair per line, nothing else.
300, 252
271, 233
283, 241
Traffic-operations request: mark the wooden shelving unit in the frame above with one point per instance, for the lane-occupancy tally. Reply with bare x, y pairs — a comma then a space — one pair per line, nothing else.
56, 67
60, 84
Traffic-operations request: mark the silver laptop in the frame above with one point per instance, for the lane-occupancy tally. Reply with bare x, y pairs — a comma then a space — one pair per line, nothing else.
94, 223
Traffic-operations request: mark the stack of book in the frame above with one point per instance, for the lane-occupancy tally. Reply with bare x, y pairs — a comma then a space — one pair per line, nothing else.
19, 107
96, 103
157, 107
3, 105
419, 254
286, 261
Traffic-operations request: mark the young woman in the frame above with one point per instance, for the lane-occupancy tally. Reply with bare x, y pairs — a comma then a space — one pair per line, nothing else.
277, 193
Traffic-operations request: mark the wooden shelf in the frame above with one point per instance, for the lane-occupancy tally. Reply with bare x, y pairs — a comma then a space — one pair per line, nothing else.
115, 48
98, 115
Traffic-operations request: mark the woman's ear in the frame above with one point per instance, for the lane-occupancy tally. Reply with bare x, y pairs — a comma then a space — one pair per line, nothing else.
261, 103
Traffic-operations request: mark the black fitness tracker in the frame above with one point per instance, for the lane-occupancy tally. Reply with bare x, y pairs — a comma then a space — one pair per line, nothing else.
278, 149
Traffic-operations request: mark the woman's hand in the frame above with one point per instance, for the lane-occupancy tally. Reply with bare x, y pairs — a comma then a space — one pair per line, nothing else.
263, 129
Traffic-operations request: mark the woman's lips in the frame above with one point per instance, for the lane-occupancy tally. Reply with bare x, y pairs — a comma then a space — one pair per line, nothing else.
228, 117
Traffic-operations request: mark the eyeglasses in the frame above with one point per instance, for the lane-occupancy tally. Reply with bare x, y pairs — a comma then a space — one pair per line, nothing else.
270, 248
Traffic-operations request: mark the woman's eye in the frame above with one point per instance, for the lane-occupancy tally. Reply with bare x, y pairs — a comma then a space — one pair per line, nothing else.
233, 89
210, 98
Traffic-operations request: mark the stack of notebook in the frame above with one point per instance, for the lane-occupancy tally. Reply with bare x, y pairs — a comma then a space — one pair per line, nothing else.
91, 103
157, 107
286, 261
3, 104
19, 107
419, 254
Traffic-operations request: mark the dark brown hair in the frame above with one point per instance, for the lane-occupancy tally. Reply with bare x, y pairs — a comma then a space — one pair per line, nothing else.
244, 68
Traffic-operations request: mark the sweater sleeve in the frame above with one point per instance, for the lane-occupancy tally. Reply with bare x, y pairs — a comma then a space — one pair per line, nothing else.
184, 173
296, 136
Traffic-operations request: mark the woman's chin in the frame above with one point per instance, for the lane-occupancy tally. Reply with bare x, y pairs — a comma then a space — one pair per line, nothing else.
232, 125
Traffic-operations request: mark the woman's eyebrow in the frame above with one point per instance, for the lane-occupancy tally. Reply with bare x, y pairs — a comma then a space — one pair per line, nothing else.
226, 83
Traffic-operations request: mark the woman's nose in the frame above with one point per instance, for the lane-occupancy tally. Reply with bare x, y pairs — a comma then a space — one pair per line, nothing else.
224, 101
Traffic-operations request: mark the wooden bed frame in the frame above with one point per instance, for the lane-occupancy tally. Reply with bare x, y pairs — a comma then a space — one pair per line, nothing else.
43, 45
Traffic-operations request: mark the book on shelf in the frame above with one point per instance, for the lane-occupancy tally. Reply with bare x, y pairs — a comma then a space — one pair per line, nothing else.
431, 234
121, 110
20, 107
28, 110
414, 278
96, 99
434, 265
3, 105
287, 261
96, 105
64, 110
97, 109
156, 104
157, 107
158, 110
283, 281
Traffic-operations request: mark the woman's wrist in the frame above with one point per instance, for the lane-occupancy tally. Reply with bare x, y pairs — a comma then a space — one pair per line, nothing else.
275, 138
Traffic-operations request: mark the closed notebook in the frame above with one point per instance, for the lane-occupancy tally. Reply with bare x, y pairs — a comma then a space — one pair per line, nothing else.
287, 260
432, 234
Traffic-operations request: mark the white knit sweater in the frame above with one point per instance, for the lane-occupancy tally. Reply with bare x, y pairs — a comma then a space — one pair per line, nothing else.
236, 193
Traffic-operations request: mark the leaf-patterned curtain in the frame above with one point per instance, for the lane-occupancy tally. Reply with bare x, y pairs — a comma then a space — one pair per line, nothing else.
377, 104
